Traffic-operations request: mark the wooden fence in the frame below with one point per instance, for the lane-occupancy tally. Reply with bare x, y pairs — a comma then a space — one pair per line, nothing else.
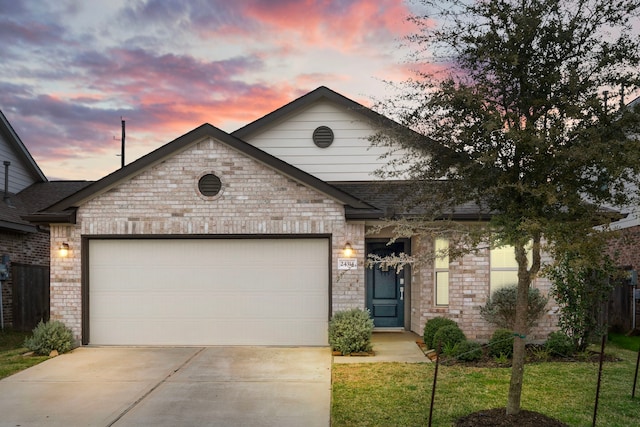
621, 310
30, 295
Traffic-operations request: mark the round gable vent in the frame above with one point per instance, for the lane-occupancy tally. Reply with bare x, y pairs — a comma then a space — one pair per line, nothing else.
323, 136
209, 185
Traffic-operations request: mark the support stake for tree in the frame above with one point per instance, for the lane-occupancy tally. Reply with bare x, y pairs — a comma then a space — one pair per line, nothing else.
435, 381
635, 378
595, 407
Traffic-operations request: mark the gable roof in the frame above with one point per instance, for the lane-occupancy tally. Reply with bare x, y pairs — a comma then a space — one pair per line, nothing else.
64, 210
321, 93
19, 148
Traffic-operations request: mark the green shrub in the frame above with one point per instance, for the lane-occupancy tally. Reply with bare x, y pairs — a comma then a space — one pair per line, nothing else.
468, 351
449, 336
579, 291
560, 344
501, 308
501, 343
431, 327
350, 331
50, 336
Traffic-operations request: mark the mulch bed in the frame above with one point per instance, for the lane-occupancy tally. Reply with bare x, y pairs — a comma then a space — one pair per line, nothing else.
498, 418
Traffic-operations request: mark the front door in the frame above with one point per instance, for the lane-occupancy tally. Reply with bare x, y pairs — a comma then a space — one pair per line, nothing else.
386, 287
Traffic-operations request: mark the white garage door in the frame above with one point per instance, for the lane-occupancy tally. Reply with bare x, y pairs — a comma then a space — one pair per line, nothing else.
209, 292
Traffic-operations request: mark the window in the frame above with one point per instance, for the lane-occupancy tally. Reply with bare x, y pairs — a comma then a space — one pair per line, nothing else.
441, 265
504, 267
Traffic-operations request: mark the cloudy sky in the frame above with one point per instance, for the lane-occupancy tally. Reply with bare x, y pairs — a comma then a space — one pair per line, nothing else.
71, 69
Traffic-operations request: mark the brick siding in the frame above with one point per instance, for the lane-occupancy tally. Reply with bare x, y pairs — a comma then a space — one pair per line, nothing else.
469, 289
164, 200
624, 249
24, 248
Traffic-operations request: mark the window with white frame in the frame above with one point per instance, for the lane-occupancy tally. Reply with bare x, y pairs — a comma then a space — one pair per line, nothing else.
441, 265
504, 267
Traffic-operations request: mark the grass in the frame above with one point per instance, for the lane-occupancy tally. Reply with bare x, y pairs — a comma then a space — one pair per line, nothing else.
397, 394
11, 353
624, 341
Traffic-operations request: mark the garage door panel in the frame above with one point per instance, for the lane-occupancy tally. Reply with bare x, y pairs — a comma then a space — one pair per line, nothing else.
181, 305
191, 332
209, 292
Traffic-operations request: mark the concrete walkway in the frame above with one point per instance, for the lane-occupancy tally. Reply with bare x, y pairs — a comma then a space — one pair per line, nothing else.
394, 346
213, 386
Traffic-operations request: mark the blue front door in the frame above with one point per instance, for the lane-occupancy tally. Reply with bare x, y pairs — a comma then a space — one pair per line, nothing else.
385, 288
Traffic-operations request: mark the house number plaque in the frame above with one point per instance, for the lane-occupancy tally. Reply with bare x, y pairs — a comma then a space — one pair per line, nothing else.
347, 264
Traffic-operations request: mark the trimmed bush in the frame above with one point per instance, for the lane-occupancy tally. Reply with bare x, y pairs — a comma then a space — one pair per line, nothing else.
501, 308
350, 331
560, 344
50, 336
432, 326
501, 343
468, 351
449, 336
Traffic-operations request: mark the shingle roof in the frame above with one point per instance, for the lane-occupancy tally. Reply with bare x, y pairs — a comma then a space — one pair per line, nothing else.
34, 198
40, 196
395, 199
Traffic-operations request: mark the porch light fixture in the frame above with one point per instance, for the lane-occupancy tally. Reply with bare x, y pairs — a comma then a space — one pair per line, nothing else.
64, 249
348, 250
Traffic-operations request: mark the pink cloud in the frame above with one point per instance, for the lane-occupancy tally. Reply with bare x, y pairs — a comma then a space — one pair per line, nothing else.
345, 25
66, 104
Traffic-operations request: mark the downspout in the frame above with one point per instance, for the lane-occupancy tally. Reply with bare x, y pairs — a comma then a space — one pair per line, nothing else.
7, 163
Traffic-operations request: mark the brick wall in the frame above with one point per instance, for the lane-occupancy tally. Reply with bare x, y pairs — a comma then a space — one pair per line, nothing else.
24, 248
625, 247
626, 250
164, 200
469, 289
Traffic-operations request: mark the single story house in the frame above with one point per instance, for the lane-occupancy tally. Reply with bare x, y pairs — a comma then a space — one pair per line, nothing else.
255, 238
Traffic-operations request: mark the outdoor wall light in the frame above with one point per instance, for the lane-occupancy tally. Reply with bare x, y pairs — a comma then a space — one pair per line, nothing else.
64, 249
348, 250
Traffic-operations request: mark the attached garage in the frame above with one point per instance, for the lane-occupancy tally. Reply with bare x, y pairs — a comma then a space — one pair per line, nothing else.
207, 291
205, 241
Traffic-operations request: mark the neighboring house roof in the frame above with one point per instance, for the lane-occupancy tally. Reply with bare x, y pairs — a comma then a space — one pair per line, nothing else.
64, 210
19, 148
14, 206
11, 211
321, 93
36, 197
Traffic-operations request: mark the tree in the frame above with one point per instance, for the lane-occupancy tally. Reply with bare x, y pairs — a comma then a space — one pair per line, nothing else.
514, 114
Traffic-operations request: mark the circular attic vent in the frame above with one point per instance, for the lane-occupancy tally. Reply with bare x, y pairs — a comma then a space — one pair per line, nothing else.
323, 136
209, 185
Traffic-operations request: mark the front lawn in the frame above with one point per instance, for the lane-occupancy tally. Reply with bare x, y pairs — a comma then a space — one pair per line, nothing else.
398, 394
11, 353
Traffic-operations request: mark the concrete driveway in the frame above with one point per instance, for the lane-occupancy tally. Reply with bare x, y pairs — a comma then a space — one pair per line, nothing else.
210, 386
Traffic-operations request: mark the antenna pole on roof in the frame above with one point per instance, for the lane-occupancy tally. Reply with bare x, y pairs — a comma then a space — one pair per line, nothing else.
122, 147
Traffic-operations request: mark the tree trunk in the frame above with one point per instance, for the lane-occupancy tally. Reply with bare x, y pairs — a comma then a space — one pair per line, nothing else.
520, 329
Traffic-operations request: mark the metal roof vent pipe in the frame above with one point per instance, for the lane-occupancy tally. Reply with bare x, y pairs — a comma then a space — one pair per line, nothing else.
7, 163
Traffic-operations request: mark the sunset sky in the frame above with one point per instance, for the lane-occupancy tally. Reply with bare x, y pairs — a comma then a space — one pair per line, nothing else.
70, 69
